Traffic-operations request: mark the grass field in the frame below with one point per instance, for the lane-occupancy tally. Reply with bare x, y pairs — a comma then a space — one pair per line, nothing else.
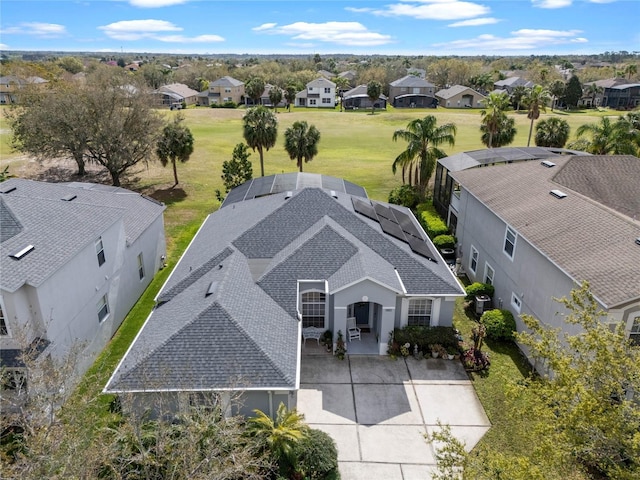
356, 146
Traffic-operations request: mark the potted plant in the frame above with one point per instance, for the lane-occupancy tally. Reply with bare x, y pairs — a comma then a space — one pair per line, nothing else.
341, 348
327, 340
451, 352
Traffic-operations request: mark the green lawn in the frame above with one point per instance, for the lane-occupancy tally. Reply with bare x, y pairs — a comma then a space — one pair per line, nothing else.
356, 146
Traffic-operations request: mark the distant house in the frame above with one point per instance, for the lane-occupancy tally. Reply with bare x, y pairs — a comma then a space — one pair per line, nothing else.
459, 96
508, 84
618, 93
326, 74
286, 256
317, 93
75, 258
266, 100
12, 85
417, 72
412, 91
175, 94
537, 229
349, 75
225, 89
357, 98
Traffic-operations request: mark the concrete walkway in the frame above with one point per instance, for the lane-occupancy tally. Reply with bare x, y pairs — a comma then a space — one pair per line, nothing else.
378, 410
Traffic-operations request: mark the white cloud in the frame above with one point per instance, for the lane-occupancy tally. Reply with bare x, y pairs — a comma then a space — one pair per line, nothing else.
44, 30
562, 3
341, 33
474, 22
131, 30
525, 39
4, 46
433, 10
155, 3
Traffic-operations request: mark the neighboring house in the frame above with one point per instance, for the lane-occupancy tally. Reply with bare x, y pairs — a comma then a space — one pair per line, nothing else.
459, 96
358, 98
510, 83
74, 258
176, 94
349, 75
417, 72
11, 85
326, 74
284, 254
318, 93
412, 91
618, 93
225, 89
537, 229
266, 101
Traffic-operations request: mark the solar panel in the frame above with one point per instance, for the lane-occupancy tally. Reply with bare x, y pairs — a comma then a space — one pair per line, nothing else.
353, 189
332, 183
237, 194
364, 208
422, 249
392, 228
260, 187
407, 225
284, 182
384, 212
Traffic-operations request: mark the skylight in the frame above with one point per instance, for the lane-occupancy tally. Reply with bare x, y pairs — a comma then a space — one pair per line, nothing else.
558, 193
547, 163
213, 286
22, 253
69, 197
8, 189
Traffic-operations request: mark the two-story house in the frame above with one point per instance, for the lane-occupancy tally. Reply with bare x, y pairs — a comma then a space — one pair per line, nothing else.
412, 91
318, 93
284, 255
222, 90
536, 223
11, 85
74, 259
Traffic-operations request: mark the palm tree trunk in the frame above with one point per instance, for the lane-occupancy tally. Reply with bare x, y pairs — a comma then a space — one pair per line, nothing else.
530, 131
300, 164
261, 162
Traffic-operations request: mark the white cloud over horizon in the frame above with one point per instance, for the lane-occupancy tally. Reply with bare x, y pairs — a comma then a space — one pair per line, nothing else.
133, 30
428, 9
524, 39
155, 3
340, 33
562, 3
474, 22
38, 29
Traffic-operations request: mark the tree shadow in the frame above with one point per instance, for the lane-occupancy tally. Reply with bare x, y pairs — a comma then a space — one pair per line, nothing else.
168, 196
61, 173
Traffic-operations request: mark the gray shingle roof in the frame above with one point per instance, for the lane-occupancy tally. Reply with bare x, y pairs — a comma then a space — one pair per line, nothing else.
47, 221
582, 236
10, 224
455, 90
411, 81
226, 82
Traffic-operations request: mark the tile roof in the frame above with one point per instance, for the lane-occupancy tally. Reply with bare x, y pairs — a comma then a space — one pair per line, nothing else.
47, 221
582, 233
245, 334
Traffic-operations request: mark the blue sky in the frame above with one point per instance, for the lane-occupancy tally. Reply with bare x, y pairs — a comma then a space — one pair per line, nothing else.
402, 27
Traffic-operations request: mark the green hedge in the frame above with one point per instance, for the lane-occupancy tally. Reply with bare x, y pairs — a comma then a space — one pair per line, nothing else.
317, 456
499, 324
405, 195
423, 337
478, 288
444, 241
431, 221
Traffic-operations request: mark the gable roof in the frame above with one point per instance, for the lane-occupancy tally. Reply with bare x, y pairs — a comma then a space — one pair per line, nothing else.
226, 81
360, 91
514, 82
35, 213
179, 89
455, 90
321, 82
250, 256
411, 81
589, 234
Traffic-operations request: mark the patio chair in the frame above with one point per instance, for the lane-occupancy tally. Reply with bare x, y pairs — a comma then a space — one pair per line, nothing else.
352, 331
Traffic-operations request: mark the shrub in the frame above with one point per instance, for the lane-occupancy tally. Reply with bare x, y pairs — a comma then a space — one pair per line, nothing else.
229, 105
317, 456
423, 337
405, 195
431, 221
499, 324
444, 241
478, 288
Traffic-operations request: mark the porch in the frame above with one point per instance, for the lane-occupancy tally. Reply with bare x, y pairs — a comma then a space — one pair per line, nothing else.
367, 345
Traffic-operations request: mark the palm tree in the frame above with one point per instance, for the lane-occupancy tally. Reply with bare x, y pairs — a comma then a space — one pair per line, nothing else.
175, 144
607, 137
503, 136
631, 70
552, 132
301, 142
260, 130
557, 90
275, 96
593, 90
254, 89
374, 89
536, 101
342, 85
519, 93
282, 435
493, 116
423, 138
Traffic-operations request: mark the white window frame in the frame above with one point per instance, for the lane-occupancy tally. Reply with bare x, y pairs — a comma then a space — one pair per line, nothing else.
473, 257
312, 101
634, 333
141, 273
489, 279
102, 258
511, 231
327, 89
4, 325
319, 307
326, 100
103, 306
420, 310
516, 302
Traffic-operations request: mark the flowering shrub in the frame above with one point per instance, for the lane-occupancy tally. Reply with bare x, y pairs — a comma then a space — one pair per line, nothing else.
475, 360
404, 349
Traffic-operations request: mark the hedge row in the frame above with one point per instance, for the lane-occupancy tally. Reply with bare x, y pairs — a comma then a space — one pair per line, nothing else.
431, 221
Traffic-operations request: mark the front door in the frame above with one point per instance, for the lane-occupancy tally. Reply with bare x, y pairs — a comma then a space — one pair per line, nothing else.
361, 312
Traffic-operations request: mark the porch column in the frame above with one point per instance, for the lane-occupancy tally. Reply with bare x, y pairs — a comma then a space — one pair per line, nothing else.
386, 327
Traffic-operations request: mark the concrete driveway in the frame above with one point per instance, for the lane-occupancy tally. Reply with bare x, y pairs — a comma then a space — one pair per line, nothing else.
378, 410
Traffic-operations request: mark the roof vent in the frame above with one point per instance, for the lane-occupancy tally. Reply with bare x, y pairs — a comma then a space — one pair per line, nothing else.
8, 189
22, 253
288, 195
638, 241
547, 163
558, 193
334, 194
69, 198
213, 286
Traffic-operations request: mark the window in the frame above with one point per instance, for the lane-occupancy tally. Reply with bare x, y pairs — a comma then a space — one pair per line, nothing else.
3, 323
326, 100
327, 89
509, 242
488, 274
473, 261
100, 252
516, 302
140, 267
313, 307
208, 402
14, 380
312, 101
227, 90
103, 308
634, 334
420, 312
